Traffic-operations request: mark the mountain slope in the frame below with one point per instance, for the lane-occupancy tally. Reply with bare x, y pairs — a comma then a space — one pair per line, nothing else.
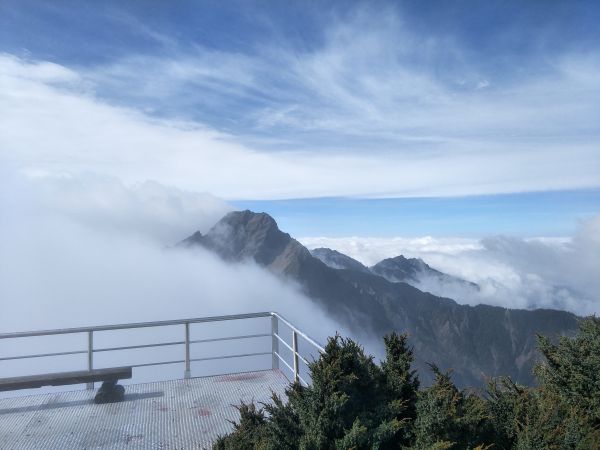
244, 235
414, 271
474, 341
337, 260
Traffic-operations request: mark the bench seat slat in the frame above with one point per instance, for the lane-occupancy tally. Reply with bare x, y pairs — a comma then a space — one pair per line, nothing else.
64, 378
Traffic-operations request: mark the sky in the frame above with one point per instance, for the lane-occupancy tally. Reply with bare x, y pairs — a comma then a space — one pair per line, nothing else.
465, 133
339, 118
526, 214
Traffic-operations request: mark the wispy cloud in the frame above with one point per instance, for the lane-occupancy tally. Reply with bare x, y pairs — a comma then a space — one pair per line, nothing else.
54, 118
368, 104
374, 80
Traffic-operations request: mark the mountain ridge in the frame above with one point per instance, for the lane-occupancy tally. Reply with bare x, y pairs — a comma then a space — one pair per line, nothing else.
337, 260
472, 340
397, 269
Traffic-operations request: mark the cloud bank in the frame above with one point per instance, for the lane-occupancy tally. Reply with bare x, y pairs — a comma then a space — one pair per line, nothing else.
558, 273
71, 256
160, 213
55, 118
92, 251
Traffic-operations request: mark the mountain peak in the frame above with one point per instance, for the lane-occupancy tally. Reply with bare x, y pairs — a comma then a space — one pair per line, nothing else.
242, 235
400, 268
191, 240
415, 271
249, 219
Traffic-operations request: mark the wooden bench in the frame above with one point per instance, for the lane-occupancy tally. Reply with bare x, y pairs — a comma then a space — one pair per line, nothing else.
109, 392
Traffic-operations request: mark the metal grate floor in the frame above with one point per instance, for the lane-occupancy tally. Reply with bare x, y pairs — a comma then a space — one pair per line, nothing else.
179, 414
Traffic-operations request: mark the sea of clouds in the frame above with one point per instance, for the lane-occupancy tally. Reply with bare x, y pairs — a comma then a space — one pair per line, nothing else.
559, 273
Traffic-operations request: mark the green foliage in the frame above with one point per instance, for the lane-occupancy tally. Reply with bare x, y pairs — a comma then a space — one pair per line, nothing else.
283, 427
563, 412
446, 416
508, 405
345, 393
354, 403
402, 382
250, 432
572, 368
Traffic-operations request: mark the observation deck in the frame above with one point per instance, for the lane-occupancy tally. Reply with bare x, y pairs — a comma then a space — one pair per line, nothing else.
188, 411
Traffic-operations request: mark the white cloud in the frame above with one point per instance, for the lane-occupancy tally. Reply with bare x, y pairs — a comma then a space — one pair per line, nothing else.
89, 250
92, 251
162, 213
52, 120
559, 273
371, 250
372, 84
70, 275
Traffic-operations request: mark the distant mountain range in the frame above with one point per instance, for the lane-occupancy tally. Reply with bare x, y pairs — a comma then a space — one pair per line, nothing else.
337, 260
413, 271
475, 341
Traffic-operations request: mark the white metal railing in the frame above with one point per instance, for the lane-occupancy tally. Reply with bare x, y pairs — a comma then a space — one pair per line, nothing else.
276, 339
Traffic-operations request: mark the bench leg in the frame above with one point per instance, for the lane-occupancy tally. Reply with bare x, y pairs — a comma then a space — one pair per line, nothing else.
110, 392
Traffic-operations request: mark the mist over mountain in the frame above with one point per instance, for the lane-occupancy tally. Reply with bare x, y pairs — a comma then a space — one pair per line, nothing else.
513, 272
253, 236
413, 271
475, 341
338, 260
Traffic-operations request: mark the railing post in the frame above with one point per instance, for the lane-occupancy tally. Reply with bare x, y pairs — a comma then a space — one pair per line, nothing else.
90, 356
275, 342
187, 373
295, 347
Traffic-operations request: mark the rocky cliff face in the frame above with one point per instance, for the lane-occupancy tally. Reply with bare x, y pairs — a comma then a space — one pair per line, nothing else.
474, 341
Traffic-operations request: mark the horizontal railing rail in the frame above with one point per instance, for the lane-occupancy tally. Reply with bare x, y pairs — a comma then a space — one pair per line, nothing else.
276, 339
124, 326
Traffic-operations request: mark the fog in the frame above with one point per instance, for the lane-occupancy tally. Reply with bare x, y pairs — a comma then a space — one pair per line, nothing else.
558, 273
79, 251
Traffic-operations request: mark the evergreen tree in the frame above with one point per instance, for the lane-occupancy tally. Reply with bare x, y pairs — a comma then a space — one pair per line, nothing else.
449, 418
352, 403
572, 369
402, 386
250, 432
343, 399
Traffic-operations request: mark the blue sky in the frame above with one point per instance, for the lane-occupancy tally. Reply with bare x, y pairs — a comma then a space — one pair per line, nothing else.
376, 118
526, 215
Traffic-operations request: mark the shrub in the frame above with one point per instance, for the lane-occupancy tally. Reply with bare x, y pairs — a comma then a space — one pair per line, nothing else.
354, 403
